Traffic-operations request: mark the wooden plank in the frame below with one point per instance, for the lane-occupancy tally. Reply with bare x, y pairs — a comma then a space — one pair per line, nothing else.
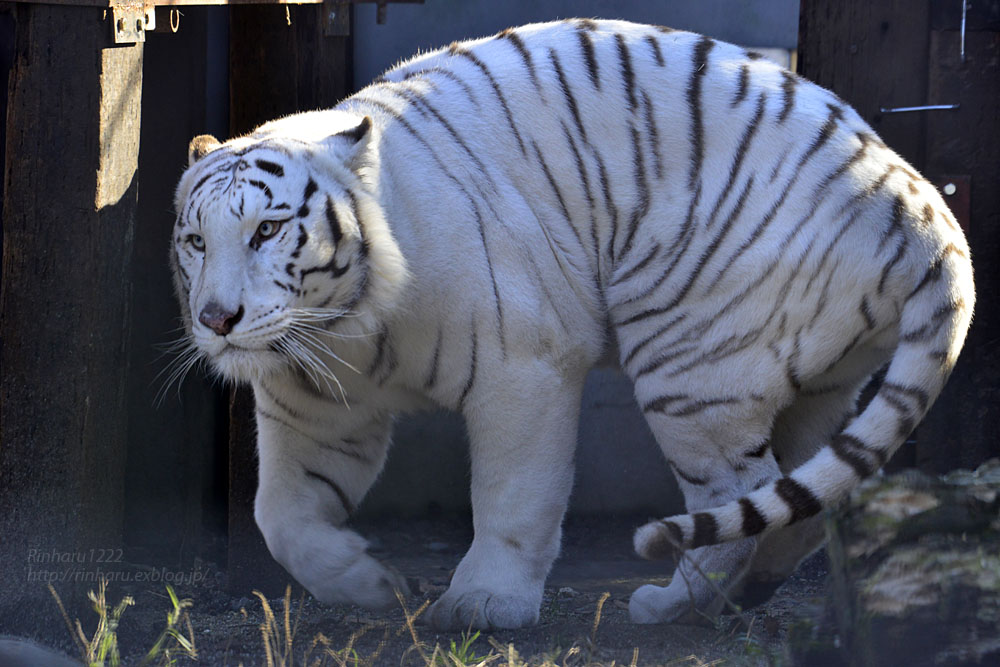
873, 55
68, 218
175, 488
192, 3
276, 68
967, 141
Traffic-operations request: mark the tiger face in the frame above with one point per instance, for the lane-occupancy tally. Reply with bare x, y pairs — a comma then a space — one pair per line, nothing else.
267, 248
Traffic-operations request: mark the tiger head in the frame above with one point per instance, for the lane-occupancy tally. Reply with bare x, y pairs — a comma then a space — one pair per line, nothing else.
278, 240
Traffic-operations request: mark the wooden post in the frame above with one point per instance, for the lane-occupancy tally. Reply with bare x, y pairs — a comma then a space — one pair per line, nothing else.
891, 53
69, 211
873, 54
967, 142
280, 63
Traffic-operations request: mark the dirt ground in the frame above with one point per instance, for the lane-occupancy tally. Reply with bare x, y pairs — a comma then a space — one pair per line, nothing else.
596, 559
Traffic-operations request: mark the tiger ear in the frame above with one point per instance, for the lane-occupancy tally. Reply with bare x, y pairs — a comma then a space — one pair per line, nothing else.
353, 142
201, 146
359, 132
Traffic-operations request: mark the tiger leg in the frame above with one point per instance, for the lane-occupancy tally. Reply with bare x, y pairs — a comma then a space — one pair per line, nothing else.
799, 431
522, 431
718, 454
307, 489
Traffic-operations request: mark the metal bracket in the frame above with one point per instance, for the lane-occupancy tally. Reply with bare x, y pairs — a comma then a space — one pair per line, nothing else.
336, 18
926, 107
336, 14
130, 22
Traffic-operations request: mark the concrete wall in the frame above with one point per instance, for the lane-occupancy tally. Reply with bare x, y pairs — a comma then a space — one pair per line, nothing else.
619, 467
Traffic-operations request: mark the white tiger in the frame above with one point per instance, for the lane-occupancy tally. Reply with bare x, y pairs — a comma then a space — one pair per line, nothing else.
477, 227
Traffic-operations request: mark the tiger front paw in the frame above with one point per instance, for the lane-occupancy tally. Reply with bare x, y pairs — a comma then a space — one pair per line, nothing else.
482, 609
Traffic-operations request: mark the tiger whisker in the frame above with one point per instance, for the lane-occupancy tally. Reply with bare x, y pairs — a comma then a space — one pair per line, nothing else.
177, 370
296, 347
309, 336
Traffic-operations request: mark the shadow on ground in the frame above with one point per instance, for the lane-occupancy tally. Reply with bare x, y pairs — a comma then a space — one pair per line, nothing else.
596, 559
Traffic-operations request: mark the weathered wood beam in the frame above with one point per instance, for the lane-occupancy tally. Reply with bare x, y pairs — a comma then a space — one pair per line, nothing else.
69, 211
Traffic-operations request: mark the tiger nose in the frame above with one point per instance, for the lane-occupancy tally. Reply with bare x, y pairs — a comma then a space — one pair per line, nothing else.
218, 319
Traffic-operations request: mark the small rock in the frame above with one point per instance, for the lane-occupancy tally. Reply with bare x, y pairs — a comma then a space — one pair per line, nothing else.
241, 603
568, 592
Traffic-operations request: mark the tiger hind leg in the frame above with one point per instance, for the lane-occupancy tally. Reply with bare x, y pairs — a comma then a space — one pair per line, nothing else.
818, 414
719, 452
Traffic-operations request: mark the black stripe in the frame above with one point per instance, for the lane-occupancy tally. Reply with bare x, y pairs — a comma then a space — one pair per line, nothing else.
654, 135
609, 203
907, 420
472, 203
714, 245
654, 45
828, 251
334, 223
457, 50
657, 404
385, 360
380, 352
642, 209
833, 118
887, 269
270, 167
744, 85
788, 85
628, 76
262, 186
741, 152
675, 534
641, 264
587, 46
934, 272
700, 406
759, 452
753, 521
355, 453
895, 223
435, 360
843, 354
424, 107
345, 501
931, 329
699, 66
690, 479
518, 43
580, 168
866, 313
793, 359
201, 182
851, 451
559, 197
919, 395
683, 242
824, 134
310, 190
662, 360
568, 94
799, 499
472, 368
706, 530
